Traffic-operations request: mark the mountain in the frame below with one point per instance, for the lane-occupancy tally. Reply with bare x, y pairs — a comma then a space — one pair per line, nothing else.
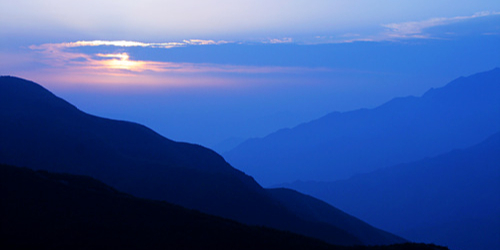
339, 145
452, 199
41, 131
313, 209
43, 210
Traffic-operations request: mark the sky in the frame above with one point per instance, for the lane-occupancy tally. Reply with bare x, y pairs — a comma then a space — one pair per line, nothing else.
217, 72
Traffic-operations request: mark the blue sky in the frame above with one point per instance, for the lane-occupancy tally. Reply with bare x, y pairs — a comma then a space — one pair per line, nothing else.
205, 71
160, 21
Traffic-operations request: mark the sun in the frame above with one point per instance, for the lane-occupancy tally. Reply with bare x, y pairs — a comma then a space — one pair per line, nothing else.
121, 61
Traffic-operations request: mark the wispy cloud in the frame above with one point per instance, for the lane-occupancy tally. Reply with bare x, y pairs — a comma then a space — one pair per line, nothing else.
404, 30
123, 43
66, 58
279, 40
491, 33
57, 55
417, 29
204, 42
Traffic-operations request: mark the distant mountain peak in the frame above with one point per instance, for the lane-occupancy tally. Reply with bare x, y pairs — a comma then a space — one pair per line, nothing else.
339, 145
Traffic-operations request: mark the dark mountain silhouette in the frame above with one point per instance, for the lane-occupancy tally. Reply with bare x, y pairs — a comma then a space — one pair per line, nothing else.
42, 210
339, 145
452, 199
41, 131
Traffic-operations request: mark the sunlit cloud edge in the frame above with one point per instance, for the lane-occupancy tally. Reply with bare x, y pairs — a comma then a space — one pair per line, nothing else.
124, 43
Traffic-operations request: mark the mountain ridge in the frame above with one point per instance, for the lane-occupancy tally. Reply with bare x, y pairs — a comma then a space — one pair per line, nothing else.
426, 200
338, 145
43, 132
43, 210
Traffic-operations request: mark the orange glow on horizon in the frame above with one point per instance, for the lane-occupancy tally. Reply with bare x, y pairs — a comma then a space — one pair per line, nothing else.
120, 61
67, 65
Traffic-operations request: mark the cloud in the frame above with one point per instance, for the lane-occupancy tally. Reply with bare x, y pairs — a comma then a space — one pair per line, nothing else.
387, 32
204, 42
66, 59
416, 29
277, 40
491, 33
402, 31
123, 43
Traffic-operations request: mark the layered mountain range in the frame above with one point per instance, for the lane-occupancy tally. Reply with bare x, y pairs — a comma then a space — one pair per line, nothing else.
43, 132
43, 210
426, 168
452, 199
339, 145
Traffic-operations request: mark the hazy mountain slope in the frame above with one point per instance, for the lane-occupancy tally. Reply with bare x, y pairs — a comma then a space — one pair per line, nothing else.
313, 209
339, 145
444, 199
40, 131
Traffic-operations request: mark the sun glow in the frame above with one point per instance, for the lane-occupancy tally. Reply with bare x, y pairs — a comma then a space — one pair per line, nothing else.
74, 64
120, 61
